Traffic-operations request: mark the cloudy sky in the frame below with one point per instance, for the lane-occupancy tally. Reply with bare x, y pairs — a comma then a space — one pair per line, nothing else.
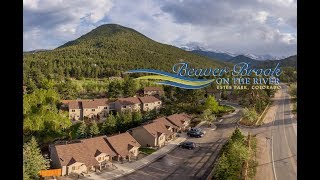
238, 26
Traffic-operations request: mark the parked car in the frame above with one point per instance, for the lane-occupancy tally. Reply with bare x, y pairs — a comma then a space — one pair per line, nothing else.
195, 129
188, 145
197, 134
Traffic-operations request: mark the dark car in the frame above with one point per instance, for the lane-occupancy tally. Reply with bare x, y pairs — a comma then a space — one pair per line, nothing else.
187, 145
195, 129
197, 134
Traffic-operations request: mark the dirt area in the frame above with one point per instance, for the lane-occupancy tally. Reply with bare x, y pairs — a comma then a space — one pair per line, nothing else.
272, 109
264, 168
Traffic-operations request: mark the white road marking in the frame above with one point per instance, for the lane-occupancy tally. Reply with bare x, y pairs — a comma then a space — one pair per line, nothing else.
274, 171
285, 137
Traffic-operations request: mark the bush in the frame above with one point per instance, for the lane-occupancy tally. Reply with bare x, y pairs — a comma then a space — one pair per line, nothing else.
250, 114
233, 155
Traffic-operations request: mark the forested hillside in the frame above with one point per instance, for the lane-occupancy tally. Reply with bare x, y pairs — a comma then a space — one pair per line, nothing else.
106, 51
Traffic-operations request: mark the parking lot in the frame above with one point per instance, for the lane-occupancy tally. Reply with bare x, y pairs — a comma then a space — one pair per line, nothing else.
184, 163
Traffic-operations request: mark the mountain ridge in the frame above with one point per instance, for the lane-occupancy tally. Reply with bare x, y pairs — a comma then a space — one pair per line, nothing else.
109, 50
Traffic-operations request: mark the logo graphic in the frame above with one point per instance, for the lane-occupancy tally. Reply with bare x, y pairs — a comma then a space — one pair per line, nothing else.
241, 73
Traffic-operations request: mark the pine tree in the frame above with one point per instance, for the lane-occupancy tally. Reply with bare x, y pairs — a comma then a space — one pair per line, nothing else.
94, 129
82, 131
212, 104
129, 87
109, 126
137, 118
33, 161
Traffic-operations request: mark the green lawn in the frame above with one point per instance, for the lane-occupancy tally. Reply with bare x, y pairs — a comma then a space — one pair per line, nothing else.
147, 150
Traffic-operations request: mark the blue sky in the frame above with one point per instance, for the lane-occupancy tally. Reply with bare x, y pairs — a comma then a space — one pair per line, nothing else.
238, 26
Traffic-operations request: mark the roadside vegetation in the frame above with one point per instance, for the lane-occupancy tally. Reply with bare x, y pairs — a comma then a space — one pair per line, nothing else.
293, 94
237, 158
249, 117
147, 150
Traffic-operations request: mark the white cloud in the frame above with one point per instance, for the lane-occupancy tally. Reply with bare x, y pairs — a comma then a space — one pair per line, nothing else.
261, 16
60, 18
248, 26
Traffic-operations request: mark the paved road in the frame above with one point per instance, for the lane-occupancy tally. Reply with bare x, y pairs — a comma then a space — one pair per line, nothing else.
197, 163
190, 164
183, 163
281, 133
284, 140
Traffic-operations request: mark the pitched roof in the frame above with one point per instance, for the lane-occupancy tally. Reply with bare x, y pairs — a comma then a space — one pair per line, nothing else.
152, 88
129, 101
165, 122
84, 151
99, 144
178, 119
95, 103
122, 143
156, 128
148, 99
85, 103
75, 105
73, 100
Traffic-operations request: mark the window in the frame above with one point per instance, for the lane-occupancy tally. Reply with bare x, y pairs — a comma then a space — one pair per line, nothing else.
99, 159
75, 168
146, 104
105, 108
93, 109
159, 102
77, 116
124, 106
73, 110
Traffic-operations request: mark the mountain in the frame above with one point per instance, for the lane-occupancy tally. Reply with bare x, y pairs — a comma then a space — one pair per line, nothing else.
263, 57
36, 50
242, 58
286, 62
215, 55
224, 55
106, 51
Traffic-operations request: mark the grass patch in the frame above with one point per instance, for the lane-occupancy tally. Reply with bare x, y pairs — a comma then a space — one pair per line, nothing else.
247, 122
225, 109
147, 150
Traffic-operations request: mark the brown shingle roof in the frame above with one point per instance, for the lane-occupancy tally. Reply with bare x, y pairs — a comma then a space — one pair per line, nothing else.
165, 122
155, 128
129, 101
99, 143
85, 103
122, 143
84, 151
75, 105
149, 99
152, 88
95, 103
178, 119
